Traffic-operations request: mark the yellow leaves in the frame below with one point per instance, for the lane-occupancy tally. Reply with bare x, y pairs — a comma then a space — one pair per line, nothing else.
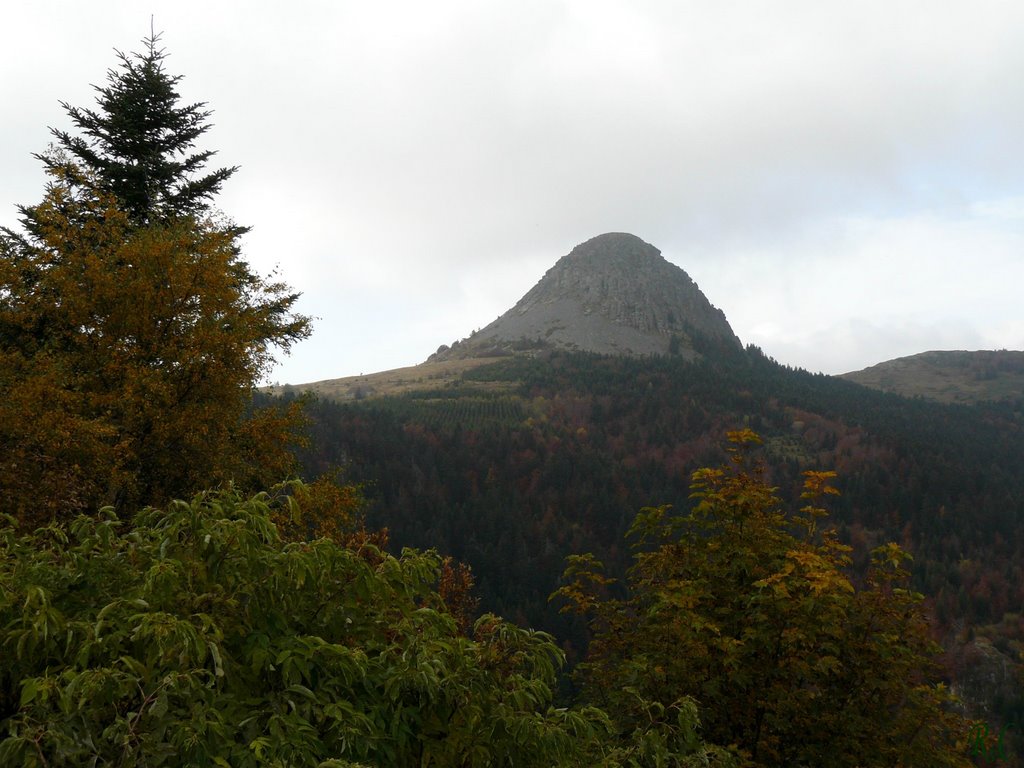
743, 437
804, 558
130, 355
887, 564
776, 582
584, 584
325, 508
890, 554
754, 621
806, 571
707, 476
816, 484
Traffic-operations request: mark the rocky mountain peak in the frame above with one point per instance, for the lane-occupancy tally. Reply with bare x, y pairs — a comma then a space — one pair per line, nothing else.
613, 294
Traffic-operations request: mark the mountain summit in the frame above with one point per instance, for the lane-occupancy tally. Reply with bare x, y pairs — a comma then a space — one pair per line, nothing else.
613, 294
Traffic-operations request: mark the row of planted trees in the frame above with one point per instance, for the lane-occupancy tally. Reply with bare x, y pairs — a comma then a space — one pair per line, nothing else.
268, 628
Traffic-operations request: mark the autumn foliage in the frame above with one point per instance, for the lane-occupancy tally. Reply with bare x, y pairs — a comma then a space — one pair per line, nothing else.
132, 332
272, 628
748, 611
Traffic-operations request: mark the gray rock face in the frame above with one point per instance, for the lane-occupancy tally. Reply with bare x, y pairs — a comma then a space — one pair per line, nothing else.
614, 294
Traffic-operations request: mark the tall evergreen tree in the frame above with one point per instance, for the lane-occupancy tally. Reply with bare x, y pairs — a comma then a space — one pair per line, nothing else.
139, 144
132, 333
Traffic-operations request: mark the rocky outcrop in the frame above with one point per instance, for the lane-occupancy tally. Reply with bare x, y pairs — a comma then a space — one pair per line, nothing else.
614, 294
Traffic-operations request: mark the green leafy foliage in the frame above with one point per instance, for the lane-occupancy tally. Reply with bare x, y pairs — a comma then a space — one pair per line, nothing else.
199, 638
747, 610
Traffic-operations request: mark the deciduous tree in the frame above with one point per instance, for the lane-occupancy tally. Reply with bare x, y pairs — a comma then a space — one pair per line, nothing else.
198, 637
748, 610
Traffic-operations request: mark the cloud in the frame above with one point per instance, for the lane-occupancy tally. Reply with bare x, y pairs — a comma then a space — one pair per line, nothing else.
856, 291
414, 168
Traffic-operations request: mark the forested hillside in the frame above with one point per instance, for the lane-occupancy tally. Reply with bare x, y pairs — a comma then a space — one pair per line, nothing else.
512, 483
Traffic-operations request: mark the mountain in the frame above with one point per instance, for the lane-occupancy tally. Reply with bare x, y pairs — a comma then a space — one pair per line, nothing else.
949, 377
520, 446
613, 294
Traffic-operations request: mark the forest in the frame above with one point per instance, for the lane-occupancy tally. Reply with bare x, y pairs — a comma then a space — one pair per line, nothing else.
565, 458
603, 561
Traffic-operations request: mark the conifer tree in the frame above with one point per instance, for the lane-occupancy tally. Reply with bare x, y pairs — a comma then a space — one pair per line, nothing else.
138, 145
132, 332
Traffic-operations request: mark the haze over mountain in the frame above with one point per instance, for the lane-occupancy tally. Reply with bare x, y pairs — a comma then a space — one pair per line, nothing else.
613, 294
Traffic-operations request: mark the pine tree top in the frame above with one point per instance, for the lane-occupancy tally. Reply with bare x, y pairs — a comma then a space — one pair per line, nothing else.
138, 143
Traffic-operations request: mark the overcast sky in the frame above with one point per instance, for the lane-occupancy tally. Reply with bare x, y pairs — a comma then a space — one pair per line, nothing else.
844, 180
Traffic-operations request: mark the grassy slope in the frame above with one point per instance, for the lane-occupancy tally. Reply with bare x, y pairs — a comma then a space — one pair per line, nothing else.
949, 377
394, 382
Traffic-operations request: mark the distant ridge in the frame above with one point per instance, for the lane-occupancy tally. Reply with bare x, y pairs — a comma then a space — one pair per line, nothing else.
949, 376
613, 294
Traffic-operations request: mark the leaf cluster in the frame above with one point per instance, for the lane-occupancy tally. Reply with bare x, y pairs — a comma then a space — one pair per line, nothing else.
199, 637
747, 610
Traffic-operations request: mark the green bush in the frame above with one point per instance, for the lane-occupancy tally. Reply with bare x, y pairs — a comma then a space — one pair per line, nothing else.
195, 636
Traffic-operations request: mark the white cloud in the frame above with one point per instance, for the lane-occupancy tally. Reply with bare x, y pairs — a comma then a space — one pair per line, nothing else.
850, 171
853, 292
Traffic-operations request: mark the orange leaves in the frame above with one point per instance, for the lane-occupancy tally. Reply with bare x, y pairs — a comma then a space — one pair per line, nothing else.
456, 590
55, 458
816, 485
321, 509
132, 353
